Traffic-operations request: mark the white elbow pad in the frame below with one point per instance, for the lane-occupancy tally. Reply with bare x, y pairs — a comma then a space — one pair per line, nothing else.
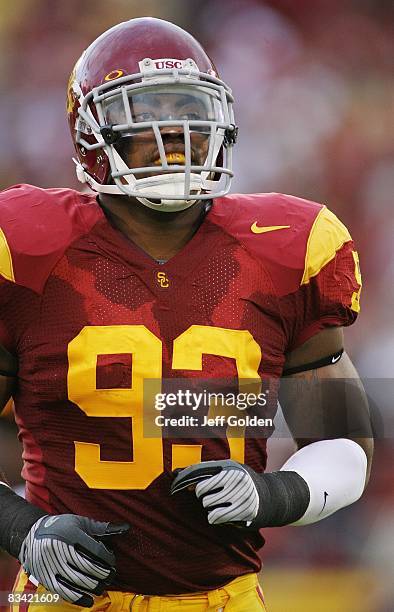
335, 472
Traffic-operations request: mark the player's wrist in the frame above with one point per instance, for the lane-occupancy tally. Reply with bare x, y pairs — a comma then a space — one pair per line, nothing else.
17, 516
283, 498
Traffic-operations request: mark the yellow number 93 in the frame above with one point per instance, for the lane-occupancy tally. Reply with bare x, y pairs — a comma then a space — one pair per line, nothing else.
146, 350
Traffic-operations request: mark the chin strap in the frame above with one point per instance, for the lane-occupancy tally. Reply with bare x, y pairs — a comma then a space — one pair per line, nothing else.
86, 179
167, 205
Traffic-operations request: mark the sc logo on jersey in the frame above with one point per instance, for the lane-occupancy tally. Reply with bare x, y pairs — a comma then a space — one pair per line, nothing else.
162, 280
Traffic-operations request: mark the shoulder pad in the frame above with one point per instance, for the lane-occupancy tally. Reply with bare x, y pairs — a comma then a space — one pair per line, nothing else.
36, 227
326, 237
275, 228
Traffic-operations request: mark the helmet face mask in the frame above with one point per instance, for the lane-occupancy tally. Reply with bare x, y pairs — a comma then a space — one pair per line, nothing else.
160, 142
158, 132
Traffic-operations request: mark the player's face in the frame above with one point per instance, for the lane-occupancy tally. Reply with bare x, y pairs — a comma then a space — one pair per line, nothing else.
140, 149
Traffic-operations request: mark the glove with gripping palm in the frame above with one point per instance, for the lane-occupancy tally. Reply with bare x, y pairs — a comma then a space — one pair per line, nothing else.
65, 555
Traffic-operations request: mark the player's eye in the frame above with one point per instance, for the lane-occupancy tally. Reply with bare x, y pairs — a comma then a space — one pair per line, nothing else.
144, 116
190, 116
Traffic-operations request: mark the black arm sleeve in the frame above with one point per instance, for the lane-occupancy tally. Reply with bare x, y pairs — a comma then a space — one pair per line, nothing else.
17, 516
284, 498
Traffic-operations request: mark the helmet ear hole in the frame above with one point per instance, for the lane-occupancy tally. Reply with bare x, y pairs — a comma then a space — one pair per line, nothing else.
95, 163
82, 152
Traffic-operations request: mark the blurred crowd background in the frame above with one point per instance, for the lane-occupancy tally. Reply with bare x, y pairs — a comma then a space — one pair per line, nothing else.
314, 90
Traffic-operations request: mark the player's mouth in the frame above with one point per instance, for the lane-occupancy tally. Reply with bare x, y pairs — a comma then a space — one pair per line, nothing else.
172, 158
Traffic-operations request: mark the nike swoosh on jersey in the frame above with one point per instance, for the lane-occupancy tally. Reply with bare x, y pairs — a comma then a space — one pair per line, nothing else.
269, 228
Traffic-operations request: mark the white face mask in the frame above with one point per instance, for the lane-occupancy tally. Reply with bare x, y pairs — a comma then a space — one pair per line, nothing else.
162, 131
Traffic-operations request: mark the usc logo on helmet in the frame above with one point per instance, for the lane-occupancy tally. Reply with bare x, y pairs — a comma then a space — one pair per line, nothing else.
162, 280
167, 63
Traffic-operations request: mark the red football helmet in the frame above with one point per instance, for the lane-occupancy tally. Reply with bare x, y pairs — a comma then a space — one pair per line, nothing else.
147, 80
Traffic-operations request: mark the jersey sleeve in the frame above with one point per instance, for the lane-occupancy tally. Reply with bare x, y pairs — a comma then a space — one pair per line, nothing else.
36, 228
329, 292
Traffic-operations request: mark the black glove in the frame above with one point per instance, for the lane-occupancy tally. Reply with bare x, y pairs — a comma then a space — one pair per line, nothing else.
236, 494
64, 554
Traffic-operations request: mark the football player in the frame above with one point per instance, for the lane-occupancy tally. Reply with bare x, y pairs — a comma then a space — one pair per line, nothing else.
158, 274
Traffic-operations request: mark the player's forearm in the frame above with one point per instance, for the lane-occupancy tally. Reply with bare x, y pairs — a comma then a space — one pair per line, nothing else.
334, 471
16, 518
16, 515
327, 412
315, 482
328, 403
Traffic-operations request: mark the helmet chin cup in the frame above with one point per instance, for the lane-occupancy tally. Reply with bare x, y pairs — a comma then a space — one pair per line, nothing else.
171, 185
157, 187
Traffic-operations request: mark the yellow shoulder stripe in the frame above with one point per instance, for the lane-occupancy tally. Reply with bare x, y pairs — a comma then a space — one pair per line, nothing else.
357, 273
327, 236
6, 267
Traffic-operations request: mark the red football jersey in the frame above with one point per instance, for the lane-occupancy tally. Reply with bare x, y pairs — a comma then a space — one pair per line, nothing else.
90, 317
